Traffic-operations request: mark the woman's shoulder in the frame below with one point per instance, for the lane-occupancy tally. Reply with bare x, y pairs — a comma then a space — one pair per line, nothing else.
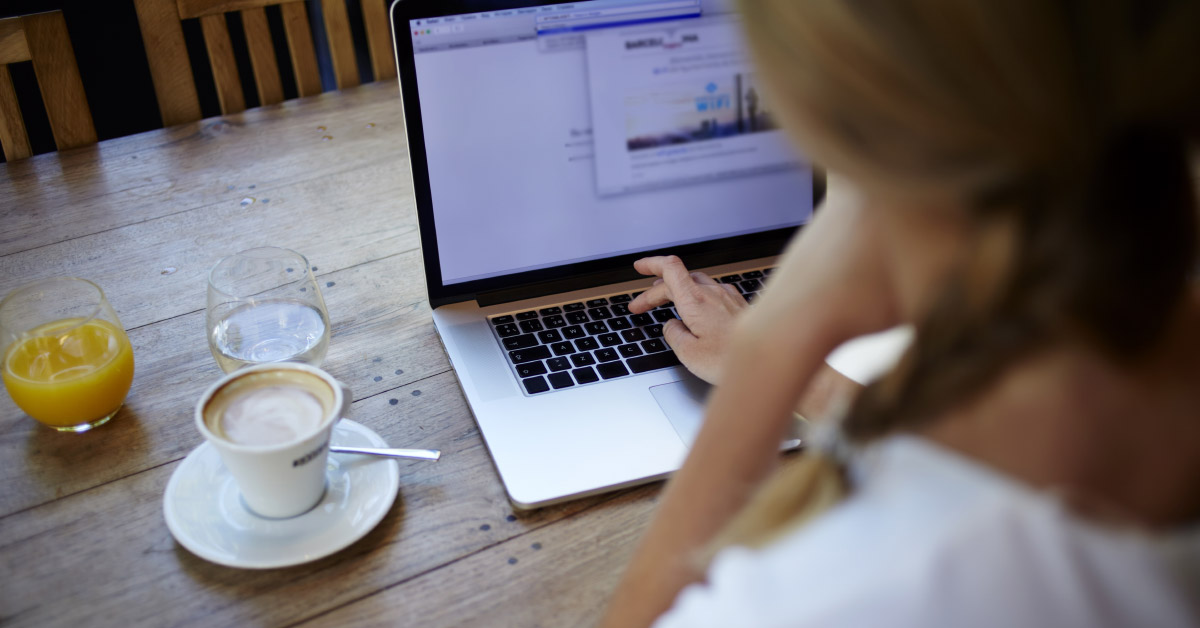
931, 538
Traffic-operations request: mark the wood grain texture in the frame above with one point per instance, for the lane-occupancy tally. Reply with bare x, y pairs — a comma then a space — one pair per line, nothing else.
81, 515
58, 79
13, 48
188, 9
300, 47
202, 164
379, 39
224, 67
341, 44
170, 70
13, 136
262, 56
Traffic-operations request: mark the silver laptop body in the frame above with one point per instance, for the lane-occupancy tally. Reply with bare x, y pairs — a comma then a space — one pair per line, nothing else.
530, 201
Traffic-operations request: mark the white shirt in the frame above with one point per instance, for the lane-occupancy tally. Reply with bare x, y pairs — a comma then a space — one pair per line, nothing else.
930, 538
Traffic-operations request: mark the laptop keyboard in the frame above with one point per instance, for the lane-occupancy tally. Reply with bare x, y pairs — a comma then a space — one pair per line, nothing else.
583, 342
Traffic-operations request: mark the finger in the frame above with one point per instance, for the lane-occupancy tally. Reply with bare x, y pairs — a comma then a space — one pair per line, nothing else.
678, 337
731, 290
653, 297
704, 279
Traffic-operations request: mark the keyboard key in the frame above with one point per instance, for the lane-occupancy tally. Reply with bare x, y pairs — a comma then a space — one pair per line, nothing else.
528, 355
641, 320
507, 330
573, 332
654, 331
600, 313
562, 348
629, 351
550, 311
730, 279
535, 385
609, 370
750, 296
653, 362
654, 345
549, 336
633, 335
554, 321
523, 341
751, 285
527, 316
573, 307
663, 316
558, 364
620, 298
607, 355
582, 359
609, 340
768, 271
597, 327
576, 318
620, 309
529, 369
586, 344
531, 326
619, 323
561, 380
597, 302
502, 320
752, 274
585, 375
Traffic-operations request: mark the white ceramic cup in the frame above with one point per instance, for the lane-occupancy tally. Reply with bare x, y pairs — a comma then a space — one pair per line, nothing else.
284, 479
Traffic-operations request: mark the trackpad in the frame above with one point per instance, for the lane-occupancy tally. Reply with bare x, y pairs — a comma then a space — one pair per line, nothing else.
683, 403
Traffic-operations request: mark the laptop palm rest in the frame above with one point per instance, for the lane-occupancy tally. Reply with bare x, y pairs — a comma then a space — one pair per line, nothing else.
683, 403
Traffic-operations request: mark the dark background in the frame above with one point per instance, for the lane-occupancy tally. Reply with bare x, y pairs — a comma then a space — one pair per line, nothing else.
116, 75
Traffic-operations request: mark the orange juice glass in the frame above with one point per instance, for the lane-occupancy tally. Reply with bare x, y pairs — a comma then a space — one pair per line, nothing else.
67, 360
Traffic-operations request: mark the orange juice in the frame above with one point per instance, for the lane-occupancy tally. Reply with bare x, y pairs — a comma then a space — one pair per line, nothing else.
70, 374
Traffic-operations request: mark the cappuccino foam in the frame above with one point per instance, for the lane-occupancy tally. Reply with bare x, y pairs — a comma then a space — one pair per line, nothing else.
275, 414
269, 408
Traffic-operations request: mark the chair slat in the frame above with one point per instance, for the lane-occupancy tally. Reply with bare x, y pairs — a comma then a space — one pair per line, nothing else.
58, 79
13, 48
262, 56
379, 39
170, 70
13, 137
341, 44
224, 67
300, 46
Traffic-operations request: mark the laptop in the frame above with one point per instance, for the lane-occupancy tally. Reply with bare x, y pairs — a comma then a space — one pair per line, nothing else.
551, 145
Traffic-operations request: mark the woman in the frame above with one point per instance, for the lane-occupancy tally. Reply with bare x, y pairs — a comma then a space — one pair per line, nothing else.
1021, 194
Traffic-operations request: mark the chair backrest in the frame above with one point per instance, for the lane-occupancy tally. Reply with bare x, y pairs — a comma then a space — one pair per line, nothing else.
42, 38
171, 72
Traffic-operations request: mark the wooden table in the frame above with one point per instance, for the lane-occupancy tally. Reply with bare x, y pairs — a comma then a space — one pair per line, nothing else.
82, 535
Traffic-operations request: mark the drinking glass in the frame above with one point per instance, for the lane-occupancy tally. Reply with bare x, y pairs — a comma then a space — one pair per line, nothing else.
264, 306
67, 360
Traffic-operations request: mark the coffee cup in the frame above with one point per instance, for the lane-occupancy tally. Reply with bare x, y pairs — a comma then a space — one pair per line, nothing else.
271, 425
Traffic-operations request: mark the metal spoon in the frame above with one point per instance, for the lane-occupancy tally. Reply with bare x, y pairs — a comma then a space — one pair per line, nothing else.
411, 454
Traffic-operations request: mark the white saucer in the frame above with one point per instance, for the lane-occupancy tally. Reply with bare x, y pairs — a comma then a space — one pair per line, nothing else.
204, 509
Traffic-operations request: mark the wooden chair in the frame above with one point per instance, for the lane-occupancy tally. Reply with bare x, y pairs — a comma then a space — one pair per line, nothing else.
171, 72
42, 38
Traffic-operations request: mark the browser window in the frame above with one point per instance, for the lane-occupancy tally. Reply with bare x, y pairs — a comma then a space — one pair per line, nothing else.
535, 120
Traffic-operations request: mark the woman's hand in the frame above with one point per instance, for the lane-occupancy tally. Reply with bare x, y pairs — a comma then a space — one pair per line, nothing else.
834, 283
707, 310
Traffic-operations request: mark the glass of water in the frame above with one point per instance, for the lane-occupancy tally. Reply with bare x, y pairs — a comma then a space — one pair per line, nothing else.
264, 306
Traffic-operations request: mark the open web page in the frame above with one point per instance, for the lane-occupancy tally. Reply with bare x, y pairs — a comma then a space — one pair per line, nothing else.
677, 103
520, 168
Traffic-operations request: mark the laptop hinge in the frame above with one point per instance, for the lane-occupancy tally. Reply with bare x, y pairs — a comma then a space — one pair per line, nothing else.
543, 288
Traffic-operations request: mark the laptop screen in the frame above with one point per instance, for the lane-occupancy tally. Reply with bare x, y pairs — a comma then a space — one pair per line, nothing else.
572, 132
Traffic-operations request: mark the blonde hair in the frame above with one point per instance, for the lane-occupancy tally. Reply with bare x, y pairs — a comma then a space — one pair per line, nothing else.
1066, 128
